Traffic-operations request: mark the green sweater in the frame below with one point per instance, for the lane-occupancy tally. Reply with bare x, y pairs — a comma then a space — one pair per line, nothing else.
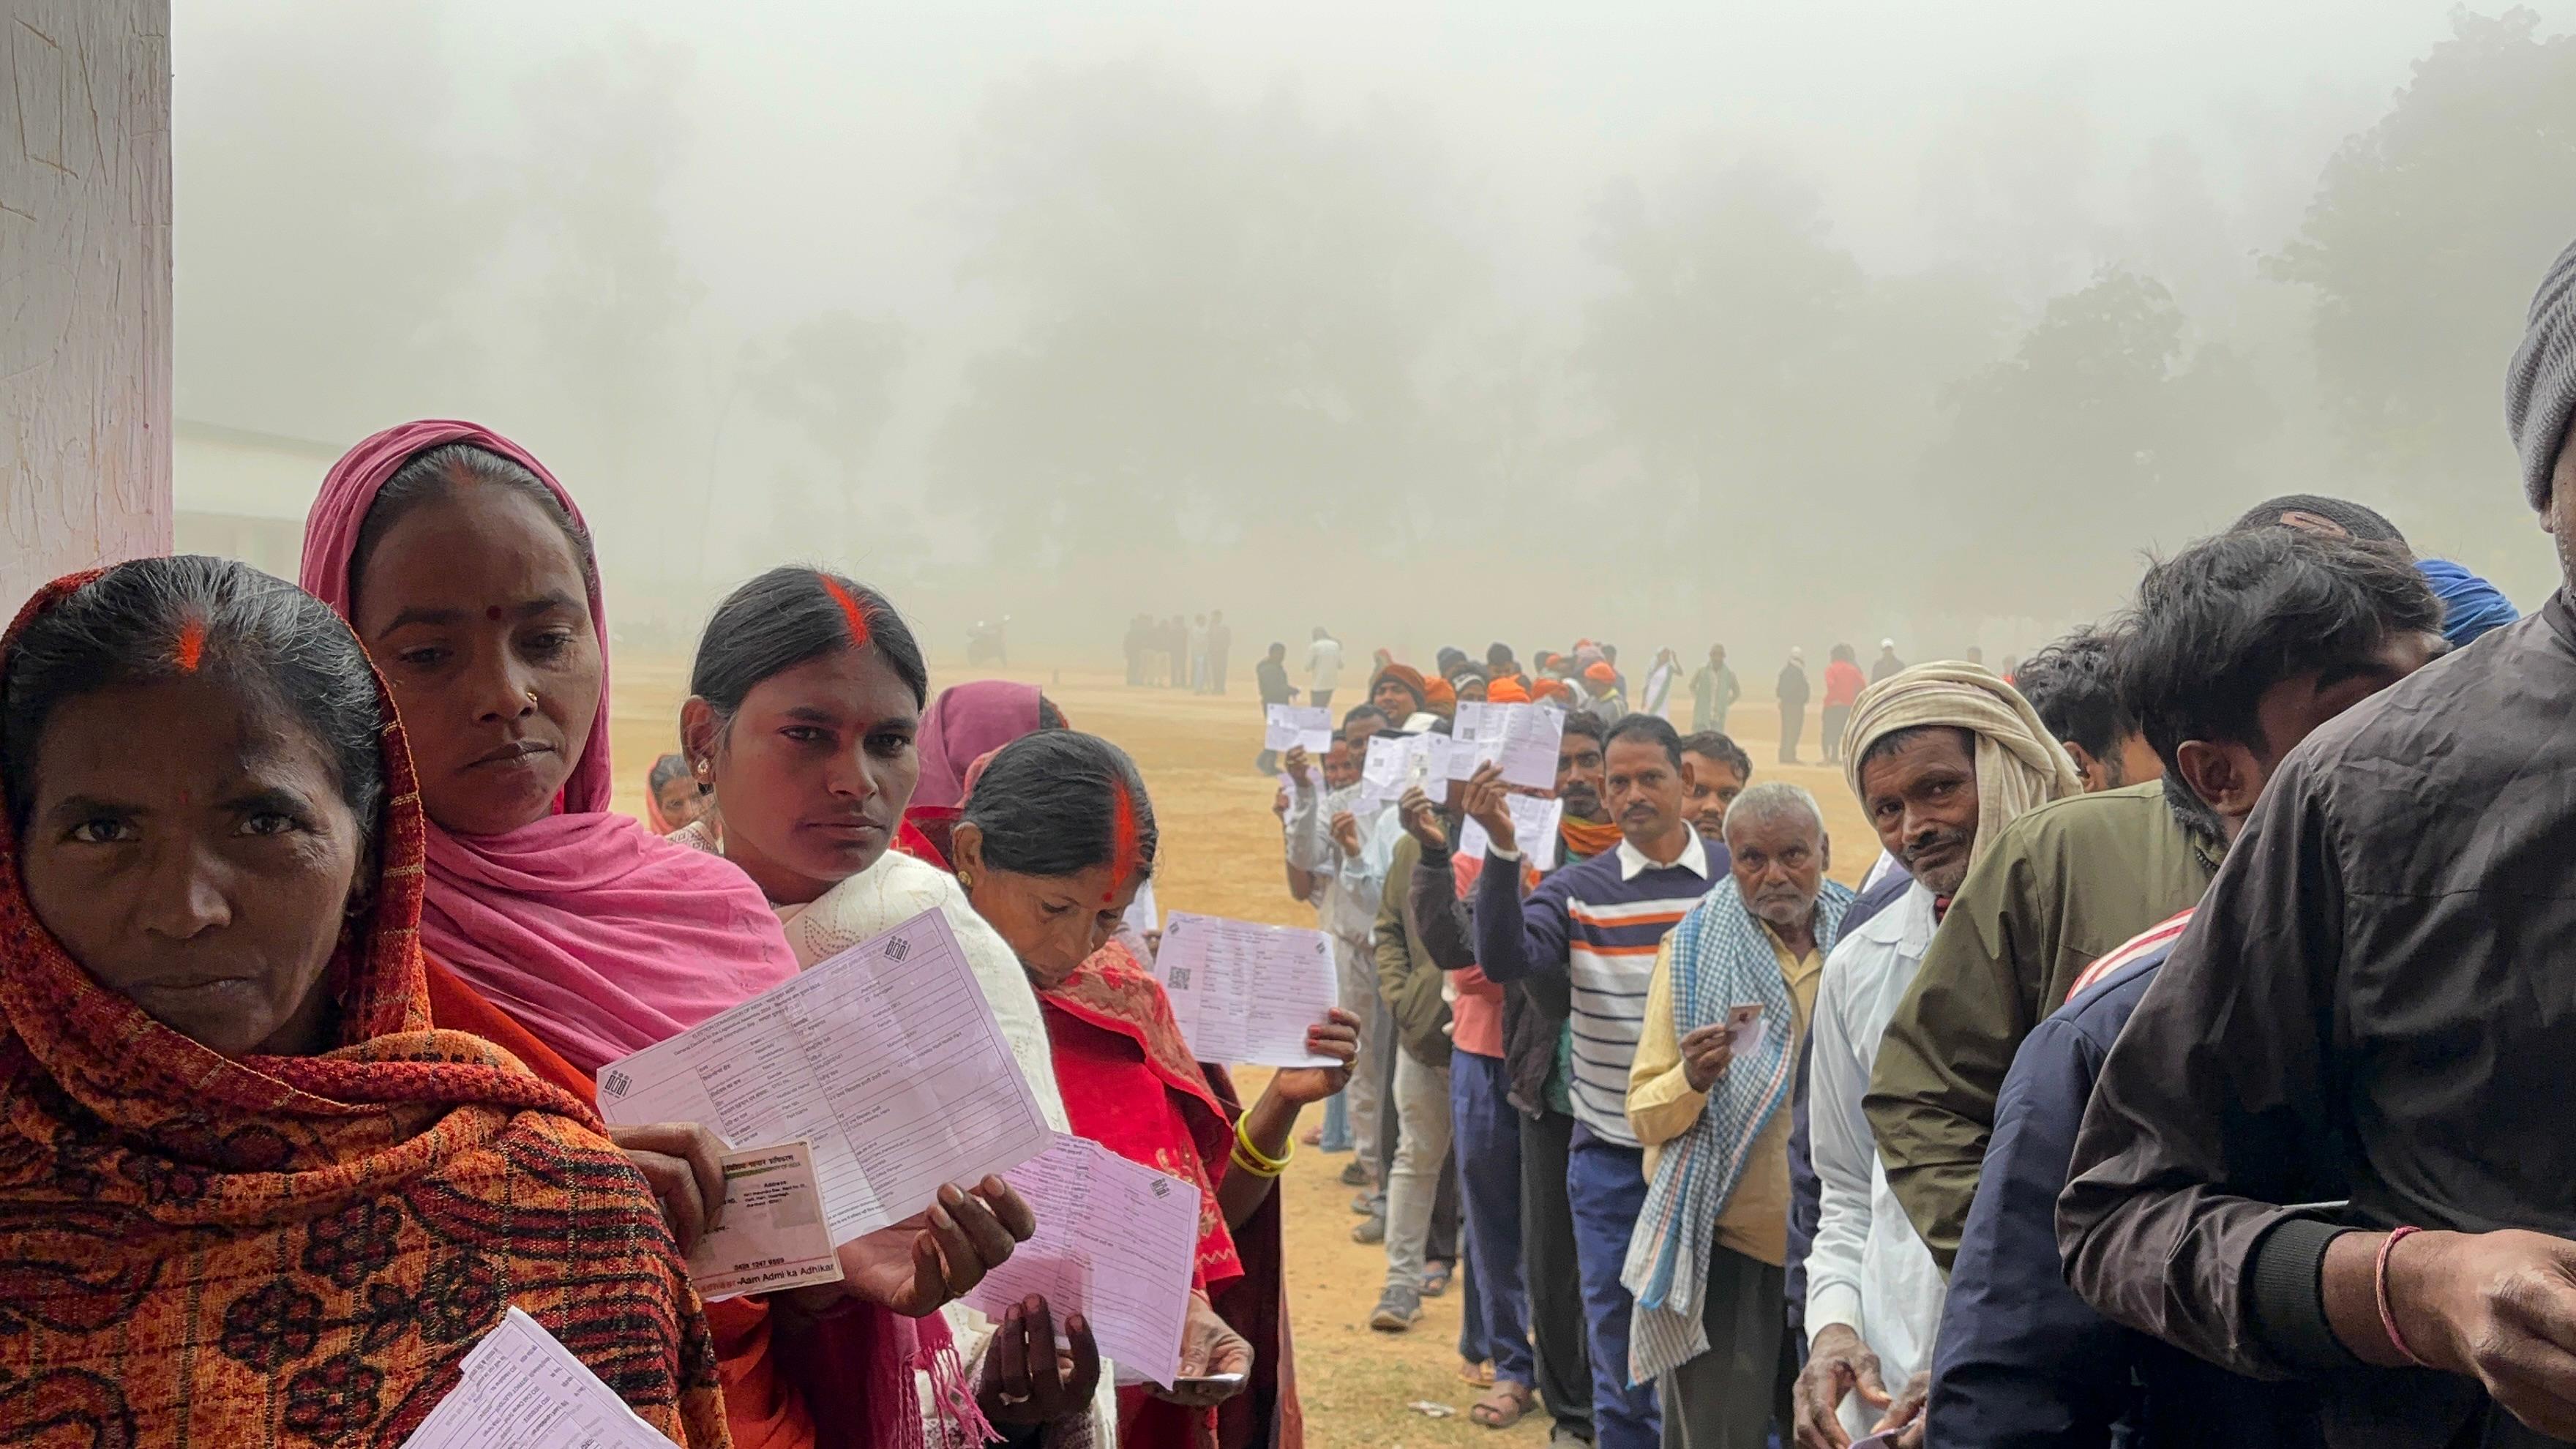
2059, 888
1407, 978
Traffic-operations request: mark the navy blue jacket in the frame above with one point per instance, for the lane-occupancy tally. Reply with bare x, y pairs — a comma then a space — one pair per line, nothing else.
2021, 1361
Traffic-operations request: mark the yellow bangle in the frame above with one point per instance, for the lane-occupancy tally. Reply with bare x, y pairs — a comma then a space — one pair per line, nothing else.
1255, 1169
1253, 1158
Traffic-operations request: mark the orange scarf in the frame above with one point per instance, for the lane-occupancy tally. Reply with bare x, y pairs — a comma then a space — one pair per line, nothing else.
1585, 839
276, 1251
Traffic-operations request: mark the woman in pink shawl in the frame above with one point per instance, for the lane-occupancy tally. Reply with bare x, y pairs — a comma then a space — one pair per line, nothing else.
964, 724
573, 936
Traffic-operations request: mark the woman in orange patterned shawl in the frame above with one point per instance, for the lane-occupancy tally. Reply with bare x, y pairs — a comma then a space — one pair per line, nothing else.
1056, 838
248, 1196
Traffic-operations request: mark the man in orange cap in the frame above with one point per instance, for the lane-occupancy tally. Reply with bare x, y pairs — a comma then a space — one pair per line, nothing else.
1440, 697
1601, 688
1507, 690
1399, 692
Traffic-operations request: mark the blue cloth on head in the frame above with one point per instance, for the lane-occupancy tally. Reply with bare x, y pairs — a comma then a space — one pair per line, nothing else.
2470, 605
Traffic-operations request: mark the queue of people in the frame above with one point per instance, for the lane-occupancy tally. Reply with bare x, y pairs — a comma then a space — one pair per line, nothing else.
2179, 1074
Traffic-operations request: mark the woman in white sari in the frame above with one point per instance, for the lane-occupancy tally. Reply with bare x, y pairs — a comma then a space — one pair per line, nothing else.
804, 710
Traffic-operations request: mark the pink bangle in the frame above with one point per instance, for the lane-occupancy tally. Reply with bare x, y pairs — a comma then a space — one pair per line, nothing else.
2379, 1289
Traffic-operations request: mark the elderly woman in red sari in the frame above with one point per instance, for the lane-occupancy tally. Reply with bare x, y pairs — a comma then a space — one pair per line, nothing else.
248, 1194
1056, 838
573, 936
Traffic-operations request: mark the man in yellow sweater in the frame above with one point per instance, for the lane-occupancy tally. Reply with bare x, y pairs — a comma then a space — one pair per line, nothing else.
1708, 1260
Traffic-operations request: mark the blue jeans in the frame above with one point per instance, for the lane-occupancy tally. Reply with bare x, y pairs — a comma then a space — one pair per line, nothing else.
1337, 1124
1487, 1132
1606, 1185
1474, 1345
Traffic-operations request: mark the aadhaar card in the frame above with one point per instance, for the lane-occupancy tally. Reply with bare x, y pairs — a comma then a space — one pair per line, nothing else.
771, 1234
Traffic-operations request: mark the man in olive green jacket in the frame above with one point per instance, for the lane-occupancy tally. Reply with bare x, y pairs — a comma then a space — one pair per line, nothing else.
2064, 885
1410, 982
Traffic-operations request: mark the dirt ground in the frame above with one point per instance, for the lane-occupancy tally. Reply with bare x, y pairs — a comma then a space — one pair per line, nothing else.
1220, 855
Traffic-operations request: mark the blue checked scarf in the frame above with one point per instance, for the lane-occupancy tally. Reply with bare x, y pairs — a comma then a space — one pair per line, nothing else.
1722, 957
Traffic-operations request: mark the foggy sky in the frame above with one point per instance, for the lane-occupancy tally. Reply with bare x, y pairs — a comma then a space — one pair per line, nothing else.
598, 226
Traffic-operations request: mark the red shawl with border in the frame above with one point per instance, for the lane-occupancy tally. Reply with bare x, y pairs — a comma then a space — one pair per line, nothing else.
1130, 1083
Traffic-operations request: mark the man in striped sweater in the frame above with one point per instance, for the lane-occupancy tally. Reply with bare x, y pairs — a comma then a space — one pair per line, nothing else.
1596, 926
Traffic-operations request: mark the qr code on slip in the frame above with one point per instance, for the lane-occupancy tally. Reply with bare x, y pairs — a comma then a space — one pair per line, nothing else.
614, 1084
897, 949
1180, 979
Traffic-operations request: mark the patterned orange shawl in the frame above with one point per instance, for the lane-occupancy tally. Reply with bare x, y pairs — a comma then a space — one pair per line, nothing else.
289, 1251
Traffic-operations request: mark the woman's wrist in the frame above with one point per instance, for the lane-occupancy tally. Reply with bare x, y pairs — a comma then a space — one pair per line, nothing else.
1257, 1158
1268, 1125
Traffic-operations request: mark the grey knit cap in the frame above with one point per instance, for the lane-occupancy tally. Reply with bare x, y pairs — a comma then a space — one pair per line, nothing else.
2540, 388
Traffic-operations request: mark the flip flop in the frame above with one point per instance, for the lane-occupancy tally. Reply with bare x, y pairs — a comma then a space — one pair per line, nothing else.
1479, 1374
1507, 1405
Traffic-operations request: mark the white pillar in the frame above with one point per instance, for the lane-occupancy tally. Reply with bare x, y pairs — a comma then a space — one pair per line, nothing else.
84, 287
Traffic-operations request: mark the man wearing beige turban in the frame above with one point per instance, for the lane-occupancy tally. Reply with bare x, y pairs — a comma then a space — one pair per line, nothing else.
2019, 764
1941, 757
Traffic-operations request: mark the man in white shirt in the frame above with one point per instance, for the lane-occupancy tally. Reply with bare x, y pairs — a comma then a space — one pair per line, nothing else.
1326, 831
1942, 757
1323, 668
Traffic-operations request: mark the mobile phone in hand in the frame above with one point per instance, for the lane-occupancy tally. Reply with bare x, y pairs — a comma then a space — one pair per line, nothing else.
1188, 1382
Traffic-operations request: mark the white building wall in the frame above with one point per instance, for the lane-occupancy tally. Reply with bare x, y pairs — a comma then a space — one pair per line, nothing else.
84, 286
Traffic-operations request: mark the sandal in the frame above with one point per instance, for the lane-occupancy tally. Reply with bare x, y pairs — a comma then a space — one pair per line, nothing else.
1436, 1279
1507, 1405
1479, 1374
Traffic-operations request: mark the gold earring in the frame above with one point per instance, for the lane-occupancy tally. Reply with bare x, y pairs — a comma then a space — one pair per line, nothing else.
965, 881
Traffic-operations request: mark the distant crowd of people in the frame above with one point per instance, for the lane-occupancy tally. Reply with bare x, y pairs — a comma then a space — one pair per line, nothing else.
1843, 685
1182, 652
1588, 678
